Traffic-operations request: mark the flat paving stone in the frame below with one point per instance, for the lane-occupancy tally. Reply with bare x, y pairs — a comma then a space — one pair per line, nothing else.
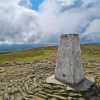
83, 86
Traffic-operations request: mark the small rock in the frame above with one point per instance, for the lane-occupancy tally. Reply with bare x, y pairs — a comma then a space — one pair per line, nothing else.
94, 88
69, 98
81, 99
94, 98
99, 95
53, 99
1, 98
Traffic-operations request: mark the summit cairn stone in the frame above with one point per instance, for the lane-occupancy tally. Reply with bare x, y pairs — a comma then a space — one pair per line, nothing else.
69, 67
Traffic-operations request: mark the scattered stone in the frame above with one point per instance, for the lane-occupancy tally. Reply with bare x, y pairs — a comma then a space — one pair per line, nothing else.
1, 98
53, 99
69, 98
80, 99
98, 95
94, 98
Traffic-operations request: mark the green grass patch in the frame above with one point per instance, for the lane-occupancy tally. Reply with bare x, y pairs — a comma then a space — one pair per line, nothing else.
91, 51
27, 55
88, 52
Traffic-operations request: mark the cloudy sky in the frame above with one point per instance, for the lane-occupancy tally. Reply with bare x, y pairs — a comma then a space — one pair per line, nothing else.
43, 21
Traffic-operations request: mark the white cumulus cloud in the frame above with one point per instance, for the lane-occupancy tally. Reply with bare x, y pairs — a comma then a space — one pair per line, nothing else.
21, 24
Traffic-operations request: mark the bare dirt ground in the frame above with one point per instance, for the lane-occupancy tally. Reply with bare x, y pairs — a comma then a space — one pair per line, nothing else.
26, 81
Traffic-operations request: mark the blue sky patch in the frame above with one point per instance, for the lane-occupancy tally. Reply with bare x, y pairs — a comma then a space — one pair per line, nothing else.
33, 4
36, 4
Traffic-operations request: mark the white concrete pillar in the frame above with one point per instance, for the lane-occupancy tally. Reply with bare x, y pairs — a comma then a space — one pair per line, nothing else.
69, 67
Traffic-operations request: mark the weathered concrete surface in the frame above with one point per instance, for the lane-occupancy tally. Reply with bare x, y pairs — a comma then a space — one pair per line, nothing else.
69, 67
83, 86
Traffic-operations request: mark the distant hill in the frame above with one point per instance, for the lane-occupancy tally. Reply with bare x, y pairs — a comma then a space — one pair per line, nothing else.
91, 43
14, 47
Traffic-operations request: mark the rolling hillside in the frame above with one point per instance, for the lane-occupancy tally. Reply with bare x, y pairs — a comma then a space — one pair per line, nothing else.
88, 51
23, 74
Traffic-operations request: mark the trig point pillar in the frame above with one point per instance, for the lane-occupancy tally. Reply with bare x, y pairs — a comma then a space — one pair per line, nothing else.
69, 67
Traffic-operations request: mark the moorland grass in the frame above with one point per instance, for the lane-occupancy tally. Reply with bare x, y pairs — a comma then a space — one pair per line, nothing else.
27, 55
88, 52
91, 51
